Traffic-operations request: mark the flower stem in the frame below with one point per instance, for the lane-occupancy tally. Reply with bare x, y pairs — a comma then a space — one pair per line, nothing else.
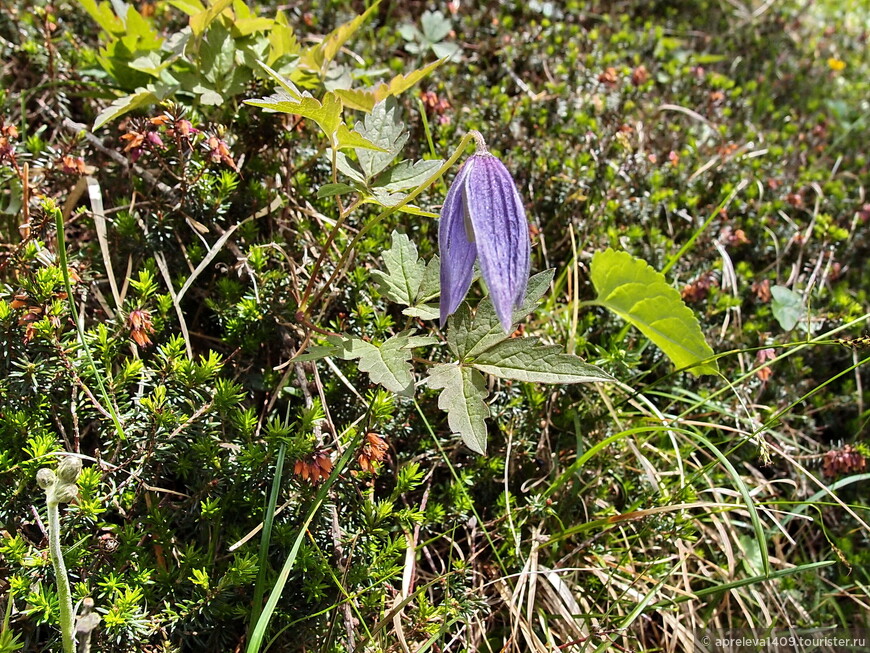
410, 198
64, 596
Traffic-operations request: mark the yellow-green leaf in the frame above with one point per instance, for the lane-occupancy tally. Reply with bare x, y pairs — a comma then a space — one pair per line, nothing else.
326, 113
190, 7
124, 104
319, 56
637, 293
200, 22
105, 17
357, 99
401, 83
345, 138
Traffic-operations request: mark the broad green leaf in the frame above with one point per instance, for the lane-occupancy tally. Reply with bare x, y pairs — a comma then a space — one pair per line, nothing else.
150, 63
318, 57
190, 7
348, 167
248, 26
282, 39
384, 128
388, 364
200, 22
345, 138
358, 99
633, 290
104, 16
327, 114
524, 359
406, 174
122, 105
470, 335
431, 285
330, 190
787, 307
405, 271
423, 311
463, 391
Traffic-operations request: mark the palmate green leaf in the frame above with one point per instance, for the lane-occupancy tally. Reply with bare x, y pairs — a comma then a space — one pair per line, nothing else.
524, 359
326, 113
405, 271
463, 390
637, 293
469, 335
388, 364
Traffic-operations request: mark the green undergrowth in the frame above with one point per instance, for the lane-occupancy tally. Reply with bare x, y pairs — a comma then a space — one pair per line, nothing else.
218, 289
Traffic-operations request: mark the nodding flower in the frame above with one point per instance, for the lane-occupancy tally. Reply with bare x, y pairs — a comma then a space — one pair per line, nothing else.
483, 219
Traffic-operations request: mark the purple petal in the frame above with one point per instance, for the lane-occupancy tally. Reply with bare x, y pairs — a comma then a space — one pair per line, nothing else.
457, 252
501, 233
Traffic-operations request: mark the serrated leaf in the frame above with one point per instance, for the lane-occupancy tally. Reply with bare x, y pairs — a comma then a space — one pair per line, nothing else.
345, 138
787, 307
282, 39
463, 391
404, 273
401, 83
358, 99
406, 174
435, 25
104, 16
431, 285
525, 359
470, 335
632, 289
330, 190
384, 128
201, 21
326, 113
318, 57
388, 364
124, 105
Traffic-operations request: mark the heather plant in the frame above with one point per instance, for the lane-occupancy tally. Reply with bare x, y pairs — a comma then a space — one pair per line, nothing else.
334, 373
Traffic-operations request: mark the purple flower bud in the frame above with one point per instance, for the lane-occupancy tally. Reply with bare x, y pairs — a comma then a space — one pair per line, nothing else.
483, 218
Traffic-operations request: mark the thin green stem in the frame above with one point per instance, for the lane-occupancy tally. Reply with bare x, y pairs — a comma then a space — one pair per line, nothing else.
64, 596
387, 212
64, 268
